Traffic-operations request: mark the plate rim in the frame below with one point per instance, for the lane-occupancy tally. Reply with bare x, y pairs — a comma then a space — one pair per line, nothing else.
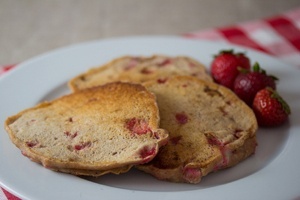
20, 67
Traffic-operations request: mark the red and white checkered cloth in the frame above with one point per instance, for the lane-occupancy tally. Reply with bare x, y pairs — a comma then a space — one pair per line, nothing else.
278, 36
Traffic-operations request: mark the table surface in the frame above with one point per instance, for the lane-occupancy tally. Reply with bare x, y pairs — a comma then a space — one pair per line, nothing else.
31, 27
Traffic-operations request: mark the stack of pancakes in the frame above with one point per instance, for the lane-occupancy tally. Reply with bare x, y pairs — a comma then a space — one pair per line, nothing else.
161, 114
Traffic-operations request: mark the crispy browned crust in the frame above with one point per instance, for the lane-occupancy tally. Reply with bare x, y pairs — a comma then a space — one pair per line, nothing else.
176, 174
93, 173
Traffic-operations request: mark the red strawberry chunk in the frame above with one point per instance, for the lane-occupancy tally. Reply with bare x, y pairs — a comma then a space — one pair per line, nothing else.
147, 153
156, 135
161, 80
192, 175
192, 65
175, 140
33, 120
70, 119
165, 62
181, 118
24, 153
226, 155
184, 85
238, 133
146, 71
83, 145
214, 141
69, 134
32, 143
138, 126
131, 64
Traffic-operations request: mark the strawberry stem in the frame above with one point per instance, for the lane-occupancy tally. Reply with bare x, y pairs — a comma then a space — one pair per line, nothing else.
226, 51
230, 51
243, 70
274, 78
256, 67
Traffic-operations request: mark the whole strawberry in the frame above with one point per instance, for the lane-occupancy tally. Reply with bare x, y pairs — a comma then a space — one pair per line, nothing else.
248, 83
269, 107
224, 67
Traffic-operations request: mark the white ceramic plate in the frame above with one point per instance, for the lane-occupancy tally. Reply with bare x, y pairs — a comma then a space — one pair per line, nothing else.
272, 173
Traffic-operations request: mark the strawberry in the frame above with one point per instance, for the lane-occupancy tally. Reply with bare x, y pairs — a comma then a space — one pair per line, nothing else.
224, 67
248, 83
269, 107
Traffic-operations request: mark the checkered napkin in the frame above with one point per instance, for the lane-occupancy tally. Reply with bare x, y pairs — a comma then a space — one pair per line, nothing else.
278, 36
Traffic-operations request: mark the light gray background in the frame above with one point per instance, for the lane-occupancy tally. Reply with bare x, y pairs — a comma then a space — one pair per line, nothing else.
31, 27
